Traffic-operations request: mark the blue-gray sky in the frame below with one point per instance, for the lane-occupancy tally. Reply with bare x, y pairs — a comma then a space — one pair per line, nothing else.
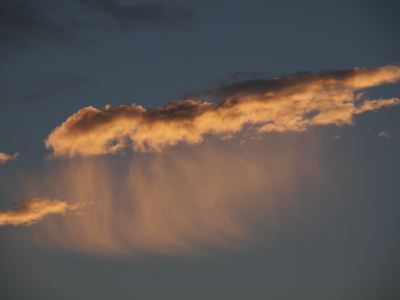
305, 207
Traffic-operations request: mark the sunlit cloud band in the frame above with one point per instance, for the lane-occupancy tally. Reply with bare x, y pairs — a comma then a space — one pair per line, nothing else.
31, 211
290, 103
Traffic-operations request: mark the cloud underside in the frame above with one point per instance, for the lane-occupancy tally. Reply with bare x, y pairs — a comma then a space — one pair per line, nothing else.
31, 211
290, 103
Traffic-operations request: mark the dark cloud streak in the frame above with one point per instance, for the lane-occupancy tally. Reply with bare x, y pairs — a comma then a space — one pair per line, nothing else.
26, 24
296, 81
56, 85
152, 13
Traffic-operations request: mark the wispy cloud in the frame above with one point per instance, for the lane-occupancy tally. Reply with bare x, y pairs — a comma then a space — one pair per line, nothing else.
31, 211
5, 157
290, 103
385, 134
335, 137
152, 13
180, 201
52, 87
29, 23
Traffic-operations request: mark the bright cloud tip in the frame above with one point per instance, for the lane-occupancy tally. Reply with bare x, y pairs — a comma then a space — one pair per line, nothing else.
31, 211
4, 157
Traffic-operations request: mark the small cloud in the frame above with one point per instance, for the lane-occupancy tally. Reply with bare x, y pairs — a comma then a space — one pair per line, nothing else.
359, 96
335, 137
385, 134
31, 211
5, 157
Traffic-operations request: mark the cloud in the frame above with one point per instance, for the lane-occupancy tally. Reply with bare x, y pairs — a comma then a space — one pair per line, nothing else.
290, 103
153, 13
247, 74
55, 85
31, 211
29, 23
180, 201
5, 157
385, 134
335, 137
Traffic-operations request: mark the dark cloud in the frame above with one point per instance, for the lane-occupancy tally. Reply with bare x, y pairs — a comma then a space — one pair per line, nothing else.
241, 75
148, 13
29, 23
55, 85
262, 85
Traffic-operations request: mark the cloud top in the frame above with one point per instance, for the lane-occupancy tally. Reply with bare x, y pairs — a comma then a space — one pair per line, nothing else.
290, 103
31, 211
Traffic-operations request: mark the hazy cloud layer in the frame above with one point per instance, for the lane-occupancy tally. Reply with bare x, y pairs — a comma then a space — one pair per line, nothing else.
179, 201
27, 23
152, 13
52, 88
31, 211
290, 103
5, 157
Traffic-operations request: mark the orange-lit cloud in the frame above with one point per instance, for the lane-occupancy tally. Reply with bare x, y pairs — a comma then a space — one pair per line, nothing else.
385, 134
5, 157
31, 211
290, 103
228, 192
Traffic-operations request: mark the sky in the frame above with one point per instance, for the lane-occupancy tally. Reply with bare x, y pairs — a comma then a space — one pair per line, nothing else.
199, 149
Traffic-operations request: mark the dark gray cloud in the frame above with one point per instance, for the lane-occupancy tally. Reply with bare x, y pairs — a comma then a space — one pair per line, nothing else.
246, 83
152, 13
241, 75
54, 86
30, 23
